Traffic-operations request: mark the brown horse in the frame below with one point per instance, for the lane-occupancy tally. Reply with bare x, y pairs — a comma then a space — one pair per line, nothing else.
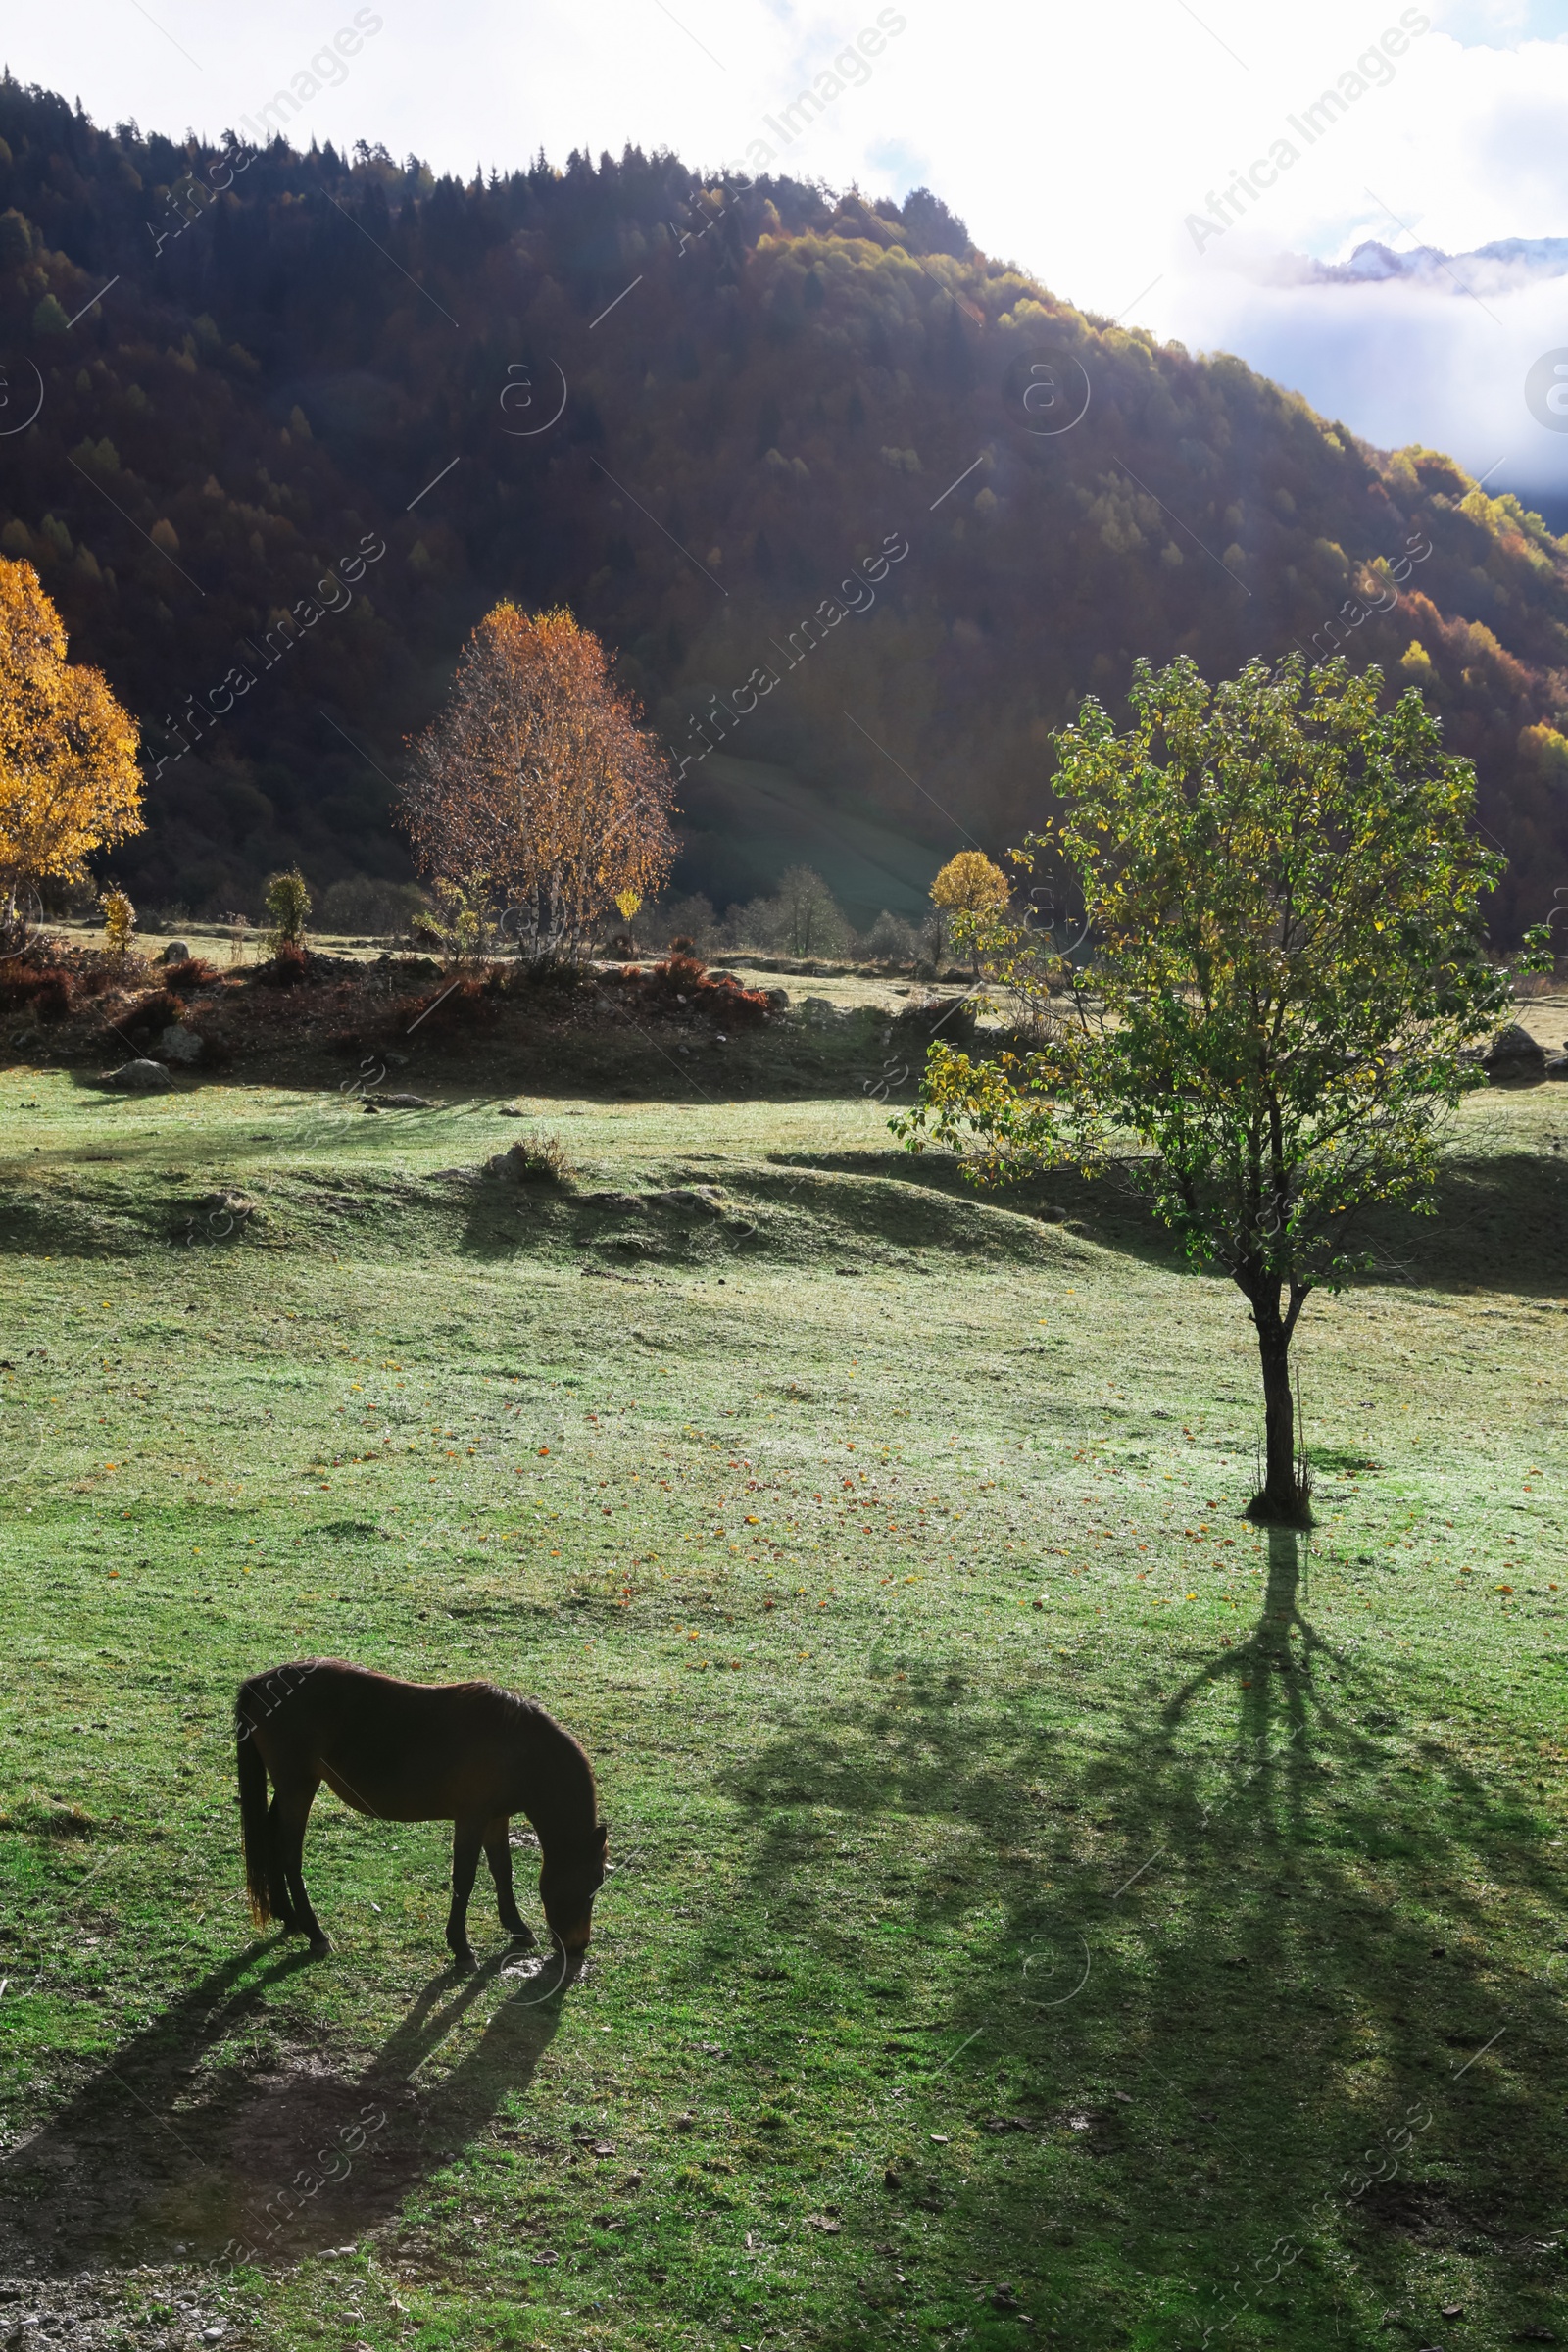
464, 1752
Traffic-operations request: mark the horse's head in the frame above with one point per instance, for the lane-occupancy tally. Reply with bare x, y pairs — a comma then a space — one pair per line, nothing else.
568, 1881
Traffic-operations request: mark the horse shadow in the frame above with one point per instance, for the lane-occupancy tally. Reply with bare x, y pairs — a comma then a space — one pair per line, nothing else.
181, 2149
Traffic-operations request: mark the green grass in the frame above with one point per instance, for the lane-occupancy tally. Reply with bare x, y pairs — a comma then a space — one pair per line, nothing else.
1031, 1877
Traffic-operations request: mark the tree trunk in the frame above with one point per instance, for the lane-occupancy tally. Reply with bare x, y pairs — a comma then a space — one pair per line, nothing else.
1279, 1417
1282, 1497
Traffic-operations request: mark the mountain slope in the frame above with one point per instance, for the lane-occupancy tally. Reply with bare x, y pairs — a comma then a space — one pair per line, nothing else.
846, 497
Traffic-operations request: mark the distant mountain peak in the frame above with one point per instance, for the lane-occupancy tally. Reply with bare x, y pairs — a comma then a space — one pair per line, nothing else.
1500, 268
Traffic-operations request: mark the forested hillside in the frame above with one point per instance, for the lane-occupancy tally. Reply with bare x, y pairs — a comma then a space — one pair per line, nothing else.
843, 494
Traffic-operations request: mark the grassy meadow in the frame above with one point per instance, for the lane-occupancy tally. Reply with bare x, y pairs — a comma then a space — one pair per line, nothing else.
1047, 1909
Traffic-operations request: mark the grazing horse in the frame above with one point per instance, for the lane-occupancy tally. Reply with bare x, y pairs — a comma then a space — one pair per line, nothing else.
464, 1752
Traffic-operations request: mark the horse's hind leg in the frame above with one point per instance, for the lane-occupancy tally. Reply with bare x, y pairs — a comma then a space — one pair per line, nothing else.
293, 1812
465, 1838
277, 1894
498, 1853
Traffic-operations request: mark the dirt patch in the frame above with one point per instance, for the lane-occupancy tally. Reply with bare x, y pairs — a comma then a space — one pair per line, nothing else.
1416, 2210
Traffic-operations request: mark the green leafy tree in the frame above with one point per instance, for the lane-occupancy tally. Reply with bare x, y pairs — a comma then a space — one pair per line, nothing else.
1285, 967
288, 902
458, 923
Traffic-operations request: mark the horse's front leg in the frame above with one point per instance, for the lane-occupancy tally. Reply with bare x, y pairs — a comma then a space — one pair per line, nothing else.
465, 1842
498, 1853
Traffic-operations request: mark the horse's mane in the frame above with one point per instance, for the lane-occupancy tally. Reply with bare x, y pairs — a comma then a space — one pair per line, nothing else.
532, 1711
532, 1714
534, 1708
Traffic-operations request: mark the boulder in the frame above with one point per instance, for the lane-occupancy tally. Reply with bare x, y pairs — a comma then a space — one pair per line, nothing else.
139, 1078
176, 952
1513, 1057
180, 1044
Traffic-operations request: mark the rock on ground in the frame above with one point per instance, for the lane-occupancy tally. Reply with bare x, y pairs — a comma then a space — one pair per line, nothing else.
1513, 1054
139, 1078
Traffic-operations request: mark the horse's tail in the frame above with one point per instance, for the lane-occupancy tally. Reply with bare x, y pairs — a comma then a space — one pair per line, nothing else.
252, 1813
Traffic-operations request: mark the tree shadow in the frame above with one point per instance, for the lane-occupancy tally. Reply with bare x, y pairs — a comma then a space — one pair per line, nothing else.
1216, 1946
1253, 1664
183, 2148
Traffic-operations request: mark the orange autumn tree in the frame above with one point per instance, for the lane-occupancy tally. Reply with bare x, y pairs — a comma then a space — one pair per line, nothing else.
68, 780
534, 793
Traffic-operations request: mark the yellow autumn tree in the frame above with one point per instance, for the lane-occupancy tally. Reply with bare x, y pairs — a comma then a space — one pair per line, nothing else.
69, 779
534, 790
969, 883
968, 890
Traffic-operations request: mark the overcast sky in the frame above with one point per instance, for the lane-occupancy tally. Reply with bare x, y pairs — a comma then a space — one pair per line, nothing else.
1089, 143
